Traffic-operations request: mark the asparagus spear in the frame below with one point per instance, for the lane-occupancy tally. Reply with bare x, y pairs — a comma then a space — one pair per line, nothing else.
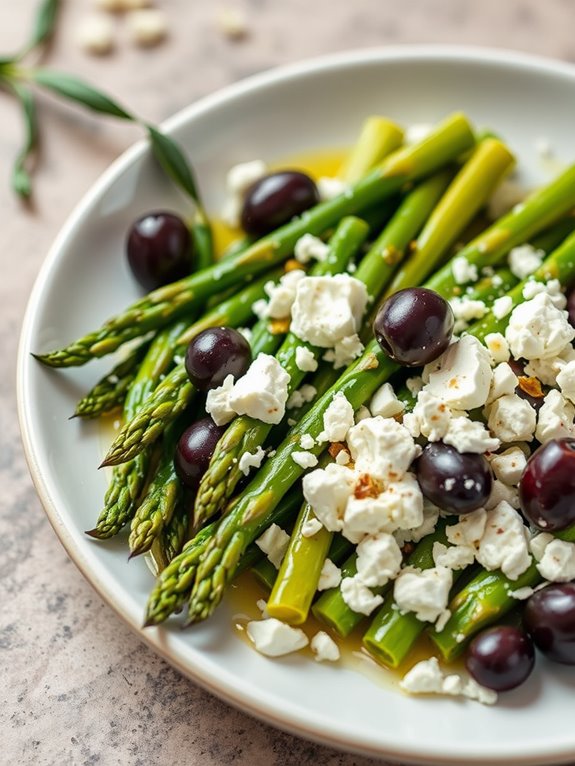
358, 383
128, 480
174, 393
110, 392
378, 138
160, 307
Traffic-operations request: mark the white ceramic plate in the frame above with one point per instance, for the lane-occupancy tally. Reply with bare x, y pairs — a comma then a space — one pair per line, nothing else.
318, 104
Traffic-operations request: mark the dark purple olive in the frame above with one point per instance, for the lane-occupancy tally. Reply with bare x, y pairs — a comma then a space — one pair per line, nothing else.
159, 249
549, 618
571, 306
454, 481
216, 353
275, 199
547, 487
195, 449
414, 326
501, 658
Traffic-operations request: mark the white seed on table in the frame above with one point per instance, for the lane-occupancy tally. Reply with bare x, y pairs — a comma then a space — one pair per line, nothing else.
147, 27
232, 22
95, 35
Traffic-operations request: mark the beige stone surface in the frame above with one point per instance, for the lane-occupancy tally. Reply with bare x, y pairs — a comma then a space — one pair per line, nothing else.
70, 693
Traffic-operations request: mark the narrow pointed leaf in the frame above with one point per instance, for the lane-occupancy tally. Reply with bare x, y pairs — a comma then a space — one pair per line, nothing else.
73, 89
174, 162
44, 24
21, 180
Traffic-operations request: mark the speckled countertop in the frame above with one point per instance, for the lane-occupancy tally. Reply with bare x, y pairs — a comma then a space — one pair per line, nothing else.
73, 694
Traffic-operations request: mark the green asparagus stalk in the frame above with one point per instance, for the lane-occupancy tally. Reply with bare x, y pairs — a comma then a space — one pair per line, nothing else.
450, 139
246, 434
128, 480
378, 138
110, 392
358, 383
175, 392
469, 191
202, 238
299, 573
332, 610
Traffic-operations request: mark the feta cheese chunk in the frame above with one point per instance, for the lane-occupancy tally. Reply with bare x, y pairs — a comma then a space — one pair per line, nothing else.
466, 309
337, 419
300, 397
504, 544
328, 309
555, 419
274, 543
345, 351
251, 460
311, 527
469, 436
305, 359
497, 347
309, 248
552, 288
502, 306
566, 381
330, 576
238, 180
307, 441
452, 556
358, 596
304, 459
385, 403
558, 562
524, 260
509, 465
463, 271
430, 417
218, 402
274, 638
512, 419
381, 448
324, 647
538, 330
378, 559
262, 392
330, 188
282, 294
424, 592
502, 492
469, 530
427, 678
461, 377
505, 381
327, 490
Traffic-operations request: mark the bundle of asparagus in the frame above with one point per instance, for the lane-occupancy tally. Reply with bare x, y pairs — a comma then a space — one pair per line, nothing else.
412, 205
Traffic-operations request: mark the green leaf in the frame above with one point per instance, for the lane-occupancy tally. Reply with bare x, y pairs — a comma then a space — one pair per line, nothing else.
44, 24
174, 162
21, 180
80, 92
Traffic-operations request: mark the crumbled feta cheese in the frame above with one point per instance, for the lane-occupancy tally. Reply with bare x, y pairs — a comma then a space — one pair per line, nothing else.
304, 459
344, 352
305, 359
512, 419
463, 271
524, 260
497, 347
330, 576
337, 419
430, 417
324, 647
509, 465
414, 385
330, 188
282, 294
547, 370
538, 330
96, 35
218, 402
427, 678
327, 490
555, 419
566, 381
558, 562
307, 441
461, 377
467, 309
262, 392
260, 308
309, 247
274, 638
427, 526
452, 556
552, 288
328, 309
246, 332
502, 306
263, 607
147, 27
358, 596
504, 382
311, 527
381, 448
239, 179
538, 544
469, 529
469, 436
424, 592
274, 543
502, 492
504, 544
251, 460
362, 414
300, 397
385, 403
378, 559
521, 594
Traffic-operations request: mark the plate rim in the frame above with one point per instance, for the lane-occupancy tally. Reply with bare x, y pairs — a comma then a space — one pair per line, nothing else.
287, 720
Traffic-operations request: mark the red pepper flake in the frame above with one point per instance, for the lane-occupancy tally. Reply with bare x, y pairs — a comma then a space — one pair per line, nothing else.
367, 486
531, 386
